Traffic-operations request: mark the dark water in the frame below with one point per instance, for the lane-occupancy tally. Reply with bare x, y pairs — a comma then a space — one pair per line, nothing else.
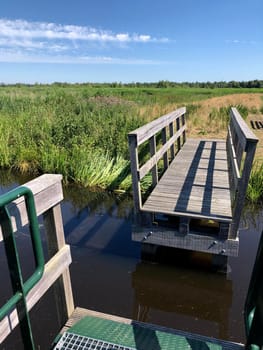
179, 290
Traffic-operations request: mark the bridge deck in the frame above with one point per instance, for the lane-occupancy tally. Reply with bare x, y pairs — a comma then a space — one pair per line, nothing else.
88, 329
196, 184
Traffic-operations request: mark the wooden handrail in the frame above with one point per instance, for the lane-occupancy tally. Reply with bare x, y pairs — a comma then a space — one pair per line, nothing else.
146, 131
241, 143
173, 122
48, 194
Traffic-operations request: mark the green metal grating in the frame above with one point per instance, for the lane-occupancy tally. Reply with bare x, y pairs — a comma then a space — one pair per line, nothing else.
116, 335
70, 341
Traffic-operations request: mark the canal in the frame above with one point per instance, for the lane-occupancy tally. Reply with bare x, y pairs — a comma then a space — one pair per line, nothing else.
179, 289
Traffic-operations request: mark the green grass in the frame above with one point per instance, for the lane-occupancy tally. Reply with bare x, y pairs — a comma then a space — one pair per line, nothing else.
255, 186
81, 131
83, 137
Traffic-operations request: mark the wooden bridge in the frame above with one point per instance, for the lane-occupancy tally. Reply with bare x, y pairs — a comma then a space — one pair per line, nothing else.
81, 328
197, 201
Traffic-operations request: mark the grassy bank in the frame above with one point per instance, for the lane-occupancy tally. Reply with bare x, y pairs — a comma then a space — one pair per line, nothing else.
81, 131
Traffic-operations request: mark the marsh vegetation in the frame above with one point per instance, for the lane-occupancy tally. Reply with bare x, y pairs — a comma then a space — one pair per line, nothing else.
81, 131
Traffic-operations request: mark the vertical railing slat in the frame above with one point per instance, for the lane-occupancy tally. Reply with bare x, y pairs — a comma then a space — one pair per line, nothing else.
165, 156
134, 170
179, 138
171, 133
152, 153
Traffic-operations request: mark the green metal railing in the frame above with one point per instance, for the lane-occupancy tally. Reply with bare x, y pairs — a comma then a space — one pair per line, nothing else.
21, 287
254, 303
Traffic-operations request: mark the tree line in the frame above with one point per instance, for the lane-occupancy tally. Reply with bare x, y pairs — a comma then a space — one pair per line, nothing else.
197, 84
160, 84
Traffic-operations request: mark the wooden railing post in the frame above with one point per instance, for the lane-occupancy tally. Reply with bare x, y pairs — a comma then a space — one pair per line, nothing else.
134, 170
179, 138
56, 241
171, 132
165, 156
152, 153
183, 123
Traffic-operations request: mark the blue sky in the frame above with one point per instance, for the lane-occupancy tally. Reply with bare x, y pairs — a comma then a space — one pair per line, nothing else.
130, 40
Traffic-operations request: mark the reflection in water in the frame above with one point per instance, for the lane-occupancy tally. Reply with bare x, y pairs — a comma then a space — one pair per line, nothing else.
99, 221
198, 294
108, 274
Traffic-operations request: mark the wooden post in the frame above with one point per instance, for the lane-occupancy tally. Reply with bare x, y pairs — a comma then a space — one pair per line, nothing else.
152, 153
56, 241
179, 138
171, 132
183, 123
134, 171
165, 156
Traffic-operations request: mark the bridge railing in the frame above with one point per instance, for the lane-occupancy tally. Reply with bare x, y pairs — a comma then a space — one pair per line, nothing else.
171, 129
47, 192
241, 147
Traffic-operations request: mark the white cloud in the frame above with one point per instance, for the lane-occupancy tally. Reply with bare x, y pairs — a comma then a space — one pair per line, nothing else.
29, 44
24, 41
242, 42
37, 30
19, 56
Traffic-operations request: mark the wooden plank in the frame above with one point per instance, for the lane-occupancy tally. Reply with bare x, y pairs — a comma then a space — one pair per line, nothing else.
53, 269
189, 214
145, 132
47, 191
197, 206
188, 190
197, 203
206, 209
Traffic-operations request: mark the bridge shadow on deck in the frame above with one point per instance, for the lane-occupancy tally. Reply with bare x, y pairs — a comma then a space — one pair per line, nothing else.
150, 337
191, 180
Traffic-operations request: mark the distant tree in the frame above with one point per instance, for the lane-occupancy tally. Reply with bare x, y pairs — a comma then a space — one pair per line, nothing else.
163, 84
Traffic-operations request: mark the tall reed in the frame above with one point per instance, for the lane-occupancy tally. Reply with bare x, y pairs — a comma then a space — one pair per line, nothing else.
81, 131
255, 186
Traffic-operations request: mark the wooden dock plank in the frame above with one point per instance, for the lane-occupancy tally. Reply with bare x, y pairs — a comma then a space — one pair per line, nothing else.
196, 182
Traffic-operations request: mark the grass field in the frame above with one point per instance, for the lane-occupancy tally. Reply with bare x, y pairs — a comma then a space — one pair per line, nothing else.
81, 131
